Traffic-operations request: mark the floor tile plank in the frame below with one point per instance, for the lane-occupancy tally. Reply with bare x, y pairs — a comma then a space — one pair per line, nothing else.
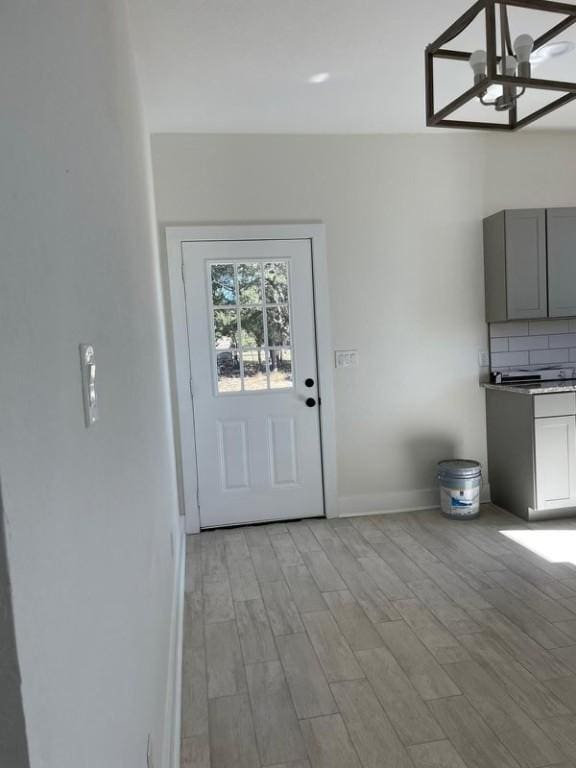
254, 630
285, 549
440, 642
549, 609
385, 578
225, 664
421, 668
358, 546
359, 631
334, 653
404, 707
303, 538
277, 729
436, 754
218, 603
232, 739
328, 743
303, 588
524, 740
323, 572
265, 562
308, 686
370, 730
214, 566
543, 664
535, 698
403, 566
195, 752
470, 736
194, 694
532, 623
282, 611
240, 569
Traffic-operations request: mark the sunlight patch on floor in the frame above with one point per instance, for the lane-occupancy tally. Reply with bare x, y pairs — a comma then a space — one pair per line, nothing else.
554, 546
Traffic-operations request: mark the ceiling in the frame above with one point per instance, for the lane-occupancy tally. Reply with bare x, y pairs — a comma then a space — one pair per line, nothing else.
244, 65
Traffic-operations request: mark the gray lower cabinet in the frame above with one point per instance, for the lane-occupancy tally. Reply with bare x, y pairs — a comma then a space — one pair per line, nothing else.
532, 453
515, 265
561, 230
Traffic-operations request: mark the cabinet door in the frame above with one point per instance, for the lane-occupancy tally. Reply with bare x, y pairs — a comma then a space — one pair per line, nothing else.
555, 439
526, 289
561, 227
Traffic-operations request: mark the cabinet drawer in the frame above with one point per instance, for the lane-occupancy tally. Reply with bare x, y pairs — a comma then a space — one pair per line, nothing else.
562, 404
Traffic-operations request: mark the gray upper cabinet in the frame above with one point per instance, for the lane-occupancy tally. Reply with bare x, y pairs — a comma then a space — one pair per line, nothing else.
561, 226
515, 265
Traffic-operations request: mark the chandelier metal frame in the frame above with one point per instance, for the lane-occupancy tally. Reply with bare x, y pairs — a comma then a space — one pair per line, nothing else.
436, 50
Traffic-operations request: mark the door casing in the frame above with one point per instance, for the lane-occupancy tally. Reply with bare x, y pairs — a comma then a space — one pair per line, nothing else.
182, 405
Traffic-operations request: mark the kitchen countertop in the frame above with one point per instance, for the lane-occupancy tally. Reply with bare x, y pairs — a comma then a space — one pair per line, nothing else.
536, 387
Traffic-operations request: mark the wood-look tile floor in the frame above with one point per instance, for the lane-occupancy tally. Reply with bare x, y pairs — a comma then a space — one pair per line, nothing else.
393, 641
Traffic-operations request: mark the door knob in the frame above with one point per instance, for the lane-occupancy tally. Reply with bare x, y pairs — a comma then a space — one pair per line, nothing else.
310, 402
309, 382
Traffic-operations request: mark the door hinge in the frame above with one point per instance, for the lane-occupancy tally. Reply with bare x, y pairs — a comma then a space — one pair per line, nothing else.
191, 389
198, 497
182, 271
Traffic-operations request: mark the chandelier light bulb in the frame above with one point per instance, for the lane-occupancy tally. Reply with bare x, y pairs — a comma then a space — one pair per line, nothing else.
477, 62
523, 46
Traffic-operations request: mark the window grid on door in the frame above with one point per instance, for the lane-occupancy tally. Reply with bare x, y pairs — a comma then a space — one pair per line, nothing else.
251, 326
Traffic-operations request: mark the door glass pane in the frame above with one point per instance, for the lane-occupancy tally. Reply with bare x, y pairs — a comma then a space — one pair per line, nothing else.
278, 326
226, 328
280, 363
252, 323
250, 283
254, 369
223, 286
228, 366
276, 280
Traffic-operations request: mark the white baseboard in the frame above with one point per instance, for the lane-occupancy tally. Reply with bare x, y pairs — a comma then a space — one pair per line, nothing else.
395, 501
172, 717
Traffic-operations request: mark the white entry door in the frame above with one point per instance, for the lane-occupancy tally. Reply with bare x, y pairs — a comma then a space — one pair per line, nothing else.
250, 315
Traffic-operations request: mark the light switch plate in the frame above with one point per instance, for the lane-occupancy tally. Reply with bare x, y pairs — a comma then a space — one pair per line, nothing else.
483, 358
89, 395
346, 358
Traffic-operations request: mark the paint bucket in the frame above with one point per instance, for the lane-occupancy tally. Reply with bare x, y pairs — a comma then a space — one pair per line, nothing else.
460, 481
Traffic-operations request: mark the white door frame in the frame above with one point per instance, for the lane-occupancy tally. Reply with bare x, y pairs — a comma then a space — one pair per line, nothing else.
184, 412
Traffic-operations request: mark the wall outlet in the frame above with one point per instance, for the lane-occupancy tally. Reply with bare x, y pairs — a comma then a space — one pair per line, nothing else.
346, 358
483, 358
149, 753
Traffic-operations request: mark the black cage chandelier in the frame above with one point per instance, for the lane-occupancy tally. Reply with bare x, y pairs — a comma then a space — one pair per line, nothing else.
504, 63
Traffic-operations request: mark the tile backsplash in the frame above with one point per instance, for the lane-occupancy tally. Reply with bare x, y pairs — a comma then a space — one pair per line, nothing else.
533, 344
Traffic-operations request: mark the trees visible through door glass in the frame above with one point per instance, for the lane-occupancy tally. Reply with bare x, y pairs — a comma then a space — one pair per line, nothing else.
278, 326
251, 324
280, 368
276, 281
226, 328
228, 370
255, 373
250, 283
223, 285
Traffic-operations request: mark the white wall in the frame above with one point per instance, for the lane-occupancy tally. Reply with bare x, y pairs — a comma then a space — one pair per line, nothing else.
89, 513
403, 216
